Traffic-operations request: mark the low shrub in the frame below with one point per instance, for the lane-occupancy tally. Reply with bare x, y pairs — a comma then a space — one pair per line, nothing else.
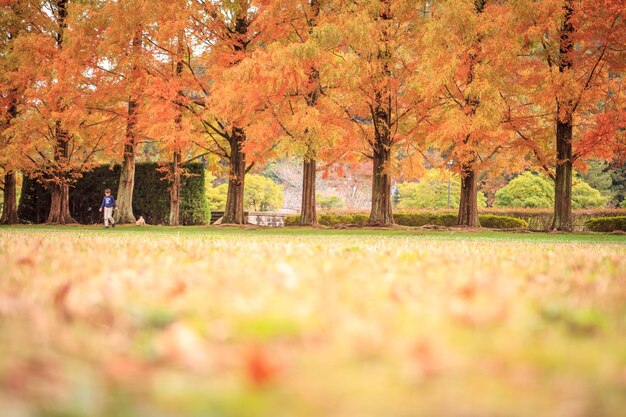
532, 219
292, 221
541, 219
606, 224
449, 219
445, 219
332, 219
412, 220
491, 221
537, 219
421, 219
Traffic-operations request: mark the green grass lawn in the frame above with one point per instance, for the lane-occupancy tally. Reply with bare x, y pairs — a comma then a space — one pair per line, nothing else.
239, 322
217, 231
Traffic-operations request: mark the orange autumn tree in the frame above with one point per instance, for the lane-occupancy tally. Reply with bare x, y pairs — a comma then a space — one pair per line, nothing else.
375, 86
10, 94
225, 34
574, 100
170, 77
10, 157
119, 64
466, 66
296, 67
57, 134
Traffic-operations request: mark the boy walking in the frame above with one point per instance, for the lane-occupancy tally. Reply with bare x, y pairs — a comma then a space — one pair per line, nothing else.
108, 204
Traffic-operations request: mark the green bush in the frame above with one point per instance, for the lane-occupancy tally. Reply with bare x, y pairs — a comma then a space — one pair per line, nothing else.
450, 219
194, 207
151, 197
329, 202
216, 196
445, 219
413, 220
585, 197
606, 224
541, 219
598, 176
491, 221
292, 221
533, 219
526, 191
537, 191
331, 219
421, 219
260, 194
431, 192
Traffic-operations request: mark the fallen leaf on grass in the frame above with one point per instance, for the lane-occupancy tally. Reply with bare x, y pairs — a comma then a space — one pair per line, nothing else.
261, 367
60, 301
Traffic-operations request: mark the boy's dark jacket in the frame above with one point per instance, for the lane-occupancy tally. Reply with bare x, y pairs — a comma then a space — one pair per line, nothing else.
108, 201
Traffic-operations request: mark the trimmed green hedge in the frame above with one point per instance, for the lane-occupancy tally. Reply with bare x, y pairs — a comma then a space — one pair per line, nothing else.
414, 220
421, 219
330, 219
537, 219
292, 221
491, 221
541, 219
151, 197
333, 219
606, 224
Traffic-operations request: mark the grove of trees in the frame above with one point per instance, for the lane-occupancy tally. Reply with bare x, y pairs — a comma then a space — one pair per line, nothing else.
485, 88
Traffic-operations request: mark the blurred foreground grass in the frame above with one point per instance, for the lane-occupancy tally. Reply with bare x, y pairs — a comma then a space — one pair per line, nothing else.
228, 322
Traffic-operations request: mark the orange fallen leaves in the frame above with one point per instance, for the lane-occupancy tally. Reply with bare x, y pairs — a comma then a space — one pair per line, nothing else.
302, 317
261, 365
26, 261
60, 301
178, 288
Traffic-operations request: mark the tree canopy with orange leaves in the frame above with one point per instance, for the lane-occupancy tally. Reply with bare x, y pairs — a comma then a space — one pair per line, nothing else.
570, 106
403, 85
467, 66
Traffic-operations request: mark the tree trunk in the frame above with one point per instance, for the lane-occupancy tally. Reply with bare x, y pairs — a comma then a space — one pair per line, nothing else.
60, 189
468, 205
127, 176
234, 200
126, 186
308, 213
9, 209
60, 205
175, 191
380, 214
563, 181
177, 157
468, 208
234, 213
